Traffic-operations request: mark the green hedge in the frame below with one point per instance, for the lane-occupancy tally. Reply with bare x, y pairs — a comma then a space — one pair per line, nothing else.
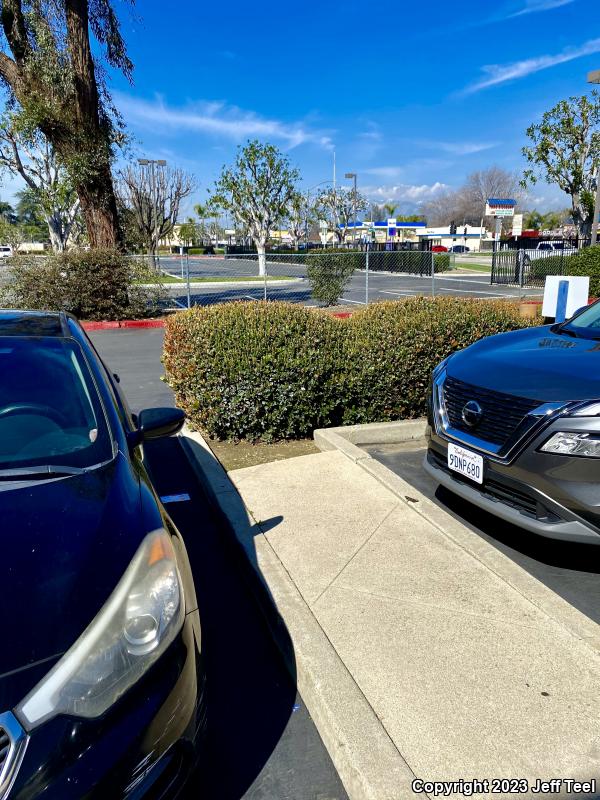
277, 371
585, 262
92, 284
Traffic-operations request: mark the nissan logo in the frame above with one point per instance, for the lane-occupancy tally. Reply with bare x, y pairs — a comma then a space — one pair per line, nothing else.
472, 413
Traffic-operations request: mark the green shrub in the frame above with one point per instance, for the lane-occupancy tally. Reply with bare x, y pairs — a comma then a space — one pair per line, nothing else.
278, 371
550, 265
92, 284
253, 370
329, 275
586, 262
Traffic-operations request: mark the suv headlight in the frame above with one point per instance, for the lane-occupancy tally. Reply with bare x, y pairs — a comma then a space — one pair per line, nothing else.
131, 631
588, 410
573, 444
441, 366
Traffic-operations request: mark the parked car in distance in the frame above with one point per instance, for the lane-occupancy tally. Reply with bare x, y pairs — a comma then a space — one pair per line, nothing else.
514, 426
5, 251
542, 250
101, 678
439, 248
459, 248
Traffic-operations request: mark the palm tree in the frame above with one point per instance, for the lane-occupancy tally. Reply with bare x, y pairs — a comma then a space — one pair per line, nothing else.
390, 208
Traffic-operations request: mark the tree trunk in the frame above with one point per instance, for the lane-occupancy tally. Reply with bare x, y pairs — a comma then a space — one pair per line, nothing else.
56, 235
99, 209
262, 260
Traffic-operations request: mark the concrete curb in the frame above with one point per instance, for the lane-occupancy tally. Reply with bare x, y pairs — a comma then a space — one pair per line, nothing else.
109, 325
346, 440
368, 763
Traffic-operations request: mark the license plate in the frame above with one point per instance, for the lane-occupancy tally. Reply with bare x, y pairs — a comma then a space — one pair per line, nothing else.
465, 462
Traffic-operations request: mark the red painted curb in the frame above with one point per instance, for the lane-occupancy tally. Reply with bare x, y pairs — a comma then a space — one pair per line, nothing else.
343, 314
106, 325
143, 323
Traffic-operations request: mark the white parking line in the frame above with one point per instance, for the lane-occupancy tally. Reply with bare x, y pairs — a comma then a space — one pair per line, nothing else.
481, 278
402, 294
476, 291
356, 302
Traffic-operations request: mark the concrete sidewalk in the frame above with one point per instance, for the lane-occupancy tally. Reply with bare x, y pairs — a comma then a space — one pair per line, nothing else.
417, 655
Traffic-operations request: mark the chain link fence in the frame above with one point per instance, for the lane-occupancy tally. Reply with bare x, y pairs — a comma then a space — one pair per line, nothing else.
315, 278
528, 267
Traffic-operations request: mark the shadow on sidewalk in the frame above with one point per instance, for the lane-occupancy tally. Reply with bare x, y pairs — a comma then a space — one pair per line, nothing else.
251, 696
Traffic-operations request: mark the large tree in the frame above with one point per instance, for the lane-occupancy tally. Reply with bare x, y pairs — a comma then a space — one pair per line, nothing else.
565, 150
31, 157
55, 86
300, 217
257, 191
154, 199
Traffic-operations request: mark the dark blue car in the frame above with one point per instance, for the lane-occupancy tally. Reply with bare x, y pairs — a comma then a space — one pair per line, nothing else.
101, 679
514, 427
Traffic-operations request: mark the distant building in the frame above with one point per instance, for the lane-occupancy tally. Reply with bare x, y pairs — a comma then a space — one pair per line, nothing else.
470, 236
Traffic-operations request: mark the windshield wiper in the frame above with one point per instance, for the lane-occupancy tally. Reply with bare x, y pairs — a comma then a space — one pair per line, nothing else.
41, 472
568, 331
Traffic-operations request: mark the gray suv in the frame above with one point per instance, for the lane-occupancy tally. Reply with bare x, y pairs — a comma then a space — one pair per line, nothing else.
514, 426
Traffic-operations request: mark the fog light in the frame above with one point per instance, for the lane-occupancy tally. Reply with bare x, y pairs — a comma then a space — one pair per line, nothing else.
573, 444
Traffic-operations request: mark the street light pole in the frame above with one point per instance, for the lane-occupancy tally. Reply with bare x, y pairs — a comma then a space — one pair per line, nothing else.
350, 176
152, 163
308, 191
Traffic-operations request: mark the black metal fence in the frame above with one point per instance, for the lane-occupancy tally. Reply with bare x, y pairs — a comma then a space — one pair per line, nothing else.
529, 266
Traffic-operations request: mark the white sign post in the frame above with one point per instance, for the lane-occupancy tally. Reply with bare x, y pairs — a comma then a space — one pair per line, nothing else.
517, 225
577, 295
492, 210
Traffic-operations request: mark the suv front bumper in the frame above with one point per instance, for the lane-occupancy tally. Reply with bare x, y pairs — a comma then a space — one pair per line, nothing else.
513, 501
553, 495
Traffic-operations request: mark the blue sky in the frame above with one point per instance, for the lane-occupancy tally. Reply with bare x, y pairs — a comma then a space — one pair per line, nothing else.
411, 97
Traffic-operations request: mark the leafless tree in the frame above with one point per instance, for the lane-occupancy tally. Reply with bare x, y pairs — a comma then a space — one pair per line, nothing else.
492, 182
467, 204
33, 158
155, 204
340, 206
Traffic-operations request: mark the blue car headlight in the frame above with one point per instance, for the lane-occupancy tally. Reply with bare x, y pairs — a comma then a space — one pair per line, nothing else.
132, 630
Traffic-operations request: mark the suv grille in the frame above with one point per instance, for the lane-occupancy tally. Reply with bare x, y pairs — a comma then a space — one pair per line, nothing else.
4, 748
13, 741
502, 413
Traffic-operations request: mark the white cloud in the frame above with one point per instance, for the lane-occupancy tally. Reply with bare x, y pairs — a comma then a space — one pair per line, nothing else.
416, 193
458, 148
217, 119
534, 6
501, 73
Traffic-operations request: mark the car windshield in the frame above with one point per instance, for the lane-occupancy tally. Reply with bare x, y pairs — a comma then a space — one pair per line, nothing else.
50, 411
586, 325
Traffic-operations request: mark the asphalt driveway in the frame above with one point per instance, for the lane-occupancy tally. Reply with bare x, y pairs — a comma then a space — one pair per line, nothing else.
571, 570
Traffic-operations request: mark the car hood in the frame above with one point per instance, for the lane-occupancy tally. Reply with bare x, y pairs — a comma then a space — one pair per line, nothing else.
65, 545
534, 362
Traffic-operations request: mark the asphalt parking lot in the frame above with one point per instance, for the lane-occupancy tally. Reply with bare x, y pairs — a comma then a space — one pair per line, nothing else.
382, 285
262, 742
571, 570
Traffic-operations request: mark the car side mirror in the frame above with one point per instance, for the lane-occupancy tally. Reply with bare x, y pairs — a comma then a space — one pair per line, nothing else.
574, 314
156, 422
